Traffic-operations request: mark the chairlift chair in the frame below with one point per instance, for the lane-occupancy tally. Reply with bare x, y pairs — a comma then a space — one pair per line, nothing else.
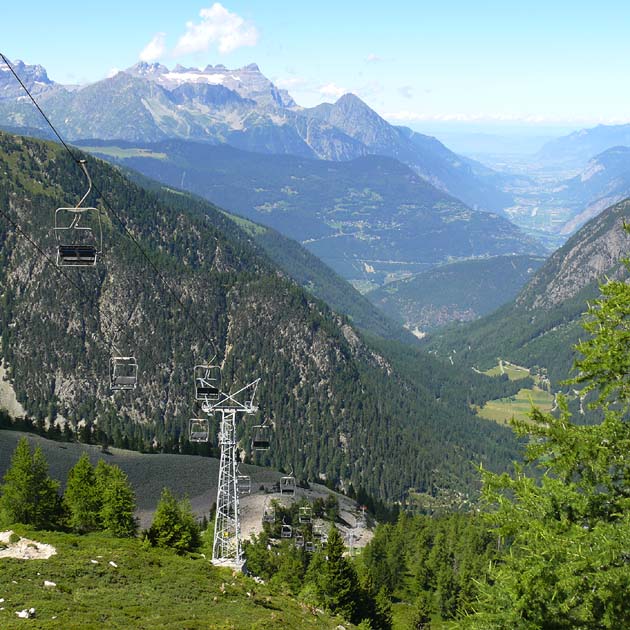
287, 485
286, 531
262, 437
199, 430
309, 546
78, 244
305, 515
207, 382
244, 484
299, 541
269, 514
123, 373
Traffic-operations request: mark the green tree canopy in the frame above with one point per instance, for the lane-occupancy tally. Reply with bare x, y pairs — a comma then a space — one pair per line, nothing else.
568, 562
82, 498
174, 525
117, 500
28, 494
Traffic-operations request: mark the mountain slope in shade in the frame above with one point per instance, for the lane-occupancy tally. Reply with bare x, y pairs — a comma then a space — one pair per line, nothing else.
241, 107
461, 291
541, 326
336, 404
367, 218
577, 148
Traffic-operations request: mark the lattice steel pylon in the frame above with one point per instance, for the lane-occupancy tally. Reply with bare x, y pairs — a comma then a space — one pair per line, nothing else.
226, 546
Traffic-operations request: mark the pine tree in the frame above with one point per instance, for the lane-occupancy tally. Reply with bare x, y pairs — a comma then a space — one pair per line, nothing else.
82, 498
421, 618
341, 593
383, 610
174, 525
567, 566
118, 501
29, 495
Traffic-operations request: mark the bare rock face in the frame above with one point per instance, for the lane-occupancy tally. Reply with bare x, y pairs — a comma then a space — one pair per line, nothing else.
592, 255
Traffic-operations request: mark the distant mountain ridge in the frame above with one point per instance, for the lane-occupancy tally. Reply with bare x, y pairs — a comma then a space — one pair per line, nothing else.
579, 147
149, 102
368, 218
604, 181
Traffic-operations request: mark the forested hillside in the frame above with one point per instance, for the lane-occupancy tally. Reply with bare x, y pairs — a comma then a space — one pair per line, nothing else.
368, 218
460, 291
306, 269
339, 409
541, 326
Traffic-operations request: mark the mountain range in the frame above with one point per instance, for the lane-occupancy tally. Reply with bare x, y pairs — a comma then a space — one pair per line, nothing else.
338, 402
370, 219
577, 148
149, 103
604, 181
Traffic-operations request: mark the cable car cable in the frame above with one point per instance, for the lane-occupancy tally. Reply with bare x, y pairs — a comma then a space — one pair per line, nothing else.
121, 222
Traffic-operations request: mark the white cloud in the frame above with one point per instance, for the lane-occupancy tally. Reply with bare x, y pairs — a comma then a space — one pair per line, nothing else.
113, 72
372, 58
332, 90
154, 49
228, 31
406, 91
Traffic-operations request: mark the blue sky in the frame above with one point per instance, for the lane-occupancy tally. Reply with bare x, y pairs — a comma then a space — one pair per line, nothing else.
419, 63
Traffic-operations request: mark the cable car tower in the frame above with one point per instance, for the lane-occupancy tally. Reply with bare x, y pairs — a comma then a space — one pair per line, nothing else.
226, 546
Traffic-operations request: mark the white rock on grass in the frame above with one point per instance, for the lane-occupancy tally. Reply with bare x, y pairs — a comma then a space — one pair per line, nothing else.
27, 613
48, 583
112, 563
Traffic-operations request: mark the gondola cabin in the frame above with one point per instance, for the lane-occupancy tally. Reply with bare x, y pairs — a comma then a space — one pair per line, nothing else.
286, 531
244, 484
305, 515
199, 430
269, 513
207, 382
123, 373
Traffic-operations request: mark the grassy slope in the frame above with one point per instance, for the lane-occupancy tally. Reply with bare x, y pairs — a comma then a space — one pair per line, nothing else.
149, 589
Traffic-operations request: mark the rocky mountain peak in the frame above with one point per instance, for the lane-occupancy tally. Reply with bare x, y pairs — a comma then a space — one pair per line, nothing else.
34, 77
145, 69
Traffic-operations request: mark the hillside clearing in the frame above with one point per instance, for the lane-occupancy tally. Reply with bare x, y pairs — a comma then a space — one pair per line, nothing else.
518, 406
